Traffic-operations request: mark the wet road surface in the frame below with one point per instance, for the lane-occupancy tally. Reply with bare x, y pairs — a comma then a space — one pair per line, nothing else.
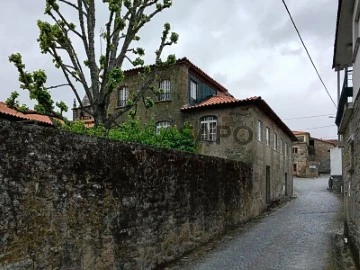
296, 236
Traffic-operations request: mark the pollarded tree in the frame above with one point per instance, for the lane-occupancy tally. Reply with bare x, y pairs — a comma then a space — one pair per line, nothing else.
98, 75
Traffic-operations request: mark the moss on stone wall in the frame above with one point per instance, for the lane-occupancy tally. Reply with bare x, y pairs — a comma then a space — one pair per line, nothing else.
71, 201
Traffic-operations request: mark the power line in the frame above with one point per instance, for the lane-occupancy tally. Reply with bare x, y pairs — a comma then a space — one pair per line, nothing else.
312, 116
312, 62
319, 127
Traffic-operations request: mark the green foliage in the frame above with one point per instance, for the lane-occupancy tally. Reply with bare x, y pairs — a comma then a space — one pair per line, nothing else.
12, 102
34, 82
116, 76
133, 131
101, 76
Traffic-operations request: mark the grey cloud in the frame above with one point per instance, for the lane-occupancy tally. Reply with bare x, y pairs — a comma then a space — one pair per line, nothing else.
286, 50
247, 45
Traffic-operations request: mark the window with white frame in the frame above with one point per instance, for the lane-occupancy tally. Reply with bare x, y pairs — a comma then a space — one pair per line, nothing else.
208, 128
275, 141
193, 90
259, 131
165, 89
162, 124
123, 96
286, 149
267, 136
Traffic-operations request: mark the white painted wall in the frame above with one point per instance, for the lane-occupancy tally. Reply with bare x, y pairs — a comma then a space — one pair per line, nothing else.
335, 161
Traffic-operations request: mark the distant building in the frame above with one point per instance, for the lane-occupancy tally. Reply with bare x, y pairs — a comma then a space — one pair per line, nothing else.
311, 156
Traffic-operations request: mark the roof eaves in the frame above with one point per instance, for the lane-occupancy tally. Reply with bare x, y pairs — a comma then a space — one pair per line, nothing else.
336, 32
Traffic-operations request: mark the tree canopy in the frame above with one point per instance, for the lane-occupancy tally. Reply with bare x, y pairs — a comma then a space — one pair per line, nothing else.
97, 75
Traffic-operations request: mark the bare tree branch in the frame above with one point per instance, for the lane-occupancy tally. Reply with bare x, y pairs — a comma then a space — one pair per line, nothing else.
57, 86
73, 5
82, 26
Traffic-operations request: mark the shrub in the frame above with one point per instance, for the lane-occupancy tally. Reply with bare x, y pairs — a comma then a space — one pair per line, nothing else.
133, 131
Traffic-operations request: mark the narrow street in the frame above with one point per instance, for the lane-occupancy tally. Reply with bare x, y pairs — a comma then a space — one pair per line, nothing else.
296, 236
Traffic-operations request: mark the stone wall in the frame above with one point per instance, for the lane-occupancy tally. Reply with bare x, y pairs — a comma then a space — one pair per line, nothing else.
74, 202
351, 175
163, 110
322, 155
300, 158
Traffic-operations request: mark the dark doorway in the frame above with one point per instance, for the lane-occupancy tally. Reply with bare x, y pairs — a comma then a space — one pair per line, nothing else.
286, 184
267, 184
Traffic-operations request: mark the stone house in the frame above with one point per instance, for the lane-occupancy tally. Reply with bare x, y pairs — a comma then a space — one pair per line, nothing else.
322, 154
245, 130
346, 63
311, 156
304, 164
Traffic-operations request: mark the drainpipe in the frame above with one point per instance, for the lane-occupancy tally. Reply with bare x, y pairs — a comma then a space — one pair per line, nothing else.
338, 97
338, 86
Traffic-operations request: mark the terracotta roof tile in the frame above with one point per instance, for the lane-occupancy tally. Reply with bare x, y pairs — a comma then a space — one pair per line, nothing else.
220, 100
4, 109
297, 132
333, 142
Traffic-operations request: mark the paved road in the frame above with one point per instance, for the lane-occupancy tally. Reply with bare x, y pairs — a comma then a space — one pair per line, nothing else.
296, 236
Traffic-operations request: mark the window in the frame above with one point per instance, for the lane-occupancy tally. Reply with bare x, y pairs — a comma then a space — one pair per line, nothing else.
193, 90
208, 128
260, 128
123, 96
294, 167
275, 141
165, 88
162, 124
295, 150
286, 149
301, 138
281, 146
267, 136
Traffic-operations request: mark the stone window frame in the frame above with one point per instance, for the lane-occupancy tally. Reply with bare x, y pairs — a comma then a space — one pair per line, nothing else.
260, 131
123, 96
301, 138
286, 149
165, 86
162, 124
267, 136
281, 146
295, 150
208, 131
275, 136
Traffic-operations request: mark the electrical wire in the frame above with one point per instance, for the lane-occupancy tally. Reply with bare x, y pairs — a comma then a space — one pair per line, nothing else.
318, 127
307, 51
312, 116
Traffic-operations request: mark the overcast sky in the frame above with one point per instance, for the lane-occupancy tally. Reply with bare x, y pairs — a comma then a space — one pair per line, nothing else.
249, 46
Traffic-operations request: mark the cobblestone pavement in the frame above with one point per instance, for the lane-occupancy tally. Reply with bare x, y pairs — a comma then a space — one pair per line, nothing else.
296, 236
